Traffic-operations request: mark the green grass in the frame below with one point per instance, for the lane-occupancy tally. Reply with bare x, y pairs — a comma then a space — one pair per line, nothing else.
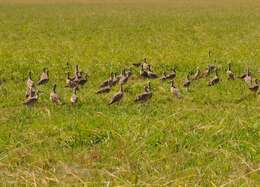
209, 138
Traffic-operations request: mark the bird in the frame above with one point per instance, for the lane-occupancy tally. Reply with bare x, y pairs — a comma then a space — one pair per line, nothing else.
187, 81
30, 82
164, 76
83, 78
115, 79
30, 92
254, 87
145, 64
172, 74
74, 97
128, 72
77, 74
54, 97
143, 73
146, 95
248, 77
197, 74
230, 74
31, 100
246, 73
209, 69
151, 74
138, 64
108, 82
44, 77
69, 82
118, 96
174, 90
124, 78
214, 80
169, 76
104, 89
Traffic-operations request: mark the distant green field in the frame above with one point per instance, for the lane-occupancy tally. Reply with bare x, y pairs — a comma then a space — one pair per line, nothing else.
208, 138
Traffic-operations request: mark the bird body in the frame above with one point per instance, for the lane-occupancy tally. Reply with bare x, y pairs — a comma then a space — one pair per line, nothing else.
254, 87
169, 76
54, 97
44, 77
118, 96
70, 83
108, 82
248, 79
230, 74
124, 78
104, 89
143, 73
83, 78
30, 82
197, 74
146, 95
31, 100
152, 75
214, 80
175, 91
187, 82
145, 64
30, 92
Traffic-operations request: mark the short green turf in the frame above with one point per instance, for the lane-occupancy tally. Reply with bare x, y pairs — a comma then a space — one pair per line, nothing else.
208, 138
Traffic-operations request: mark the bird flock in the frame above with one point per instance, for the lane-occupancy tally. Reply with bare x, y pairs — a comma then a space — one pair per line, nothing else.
80, 78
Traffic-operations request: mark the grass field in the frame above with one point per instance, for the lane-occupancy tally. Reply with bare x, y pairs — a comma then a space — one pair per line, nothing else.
208, 138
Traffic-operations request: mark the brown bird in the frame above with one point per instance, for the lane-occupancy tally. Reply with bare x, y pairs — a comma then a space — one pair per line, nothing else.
74, 97
214, 80
197, 74
115, 79
187, 81
83, 78
146, 95
209, 69
76, 73
145, 64
172, 75
151, 74
143, 73
164, 76
44, 77
246, 73
69, 82
230, 74
30, 92
124, 78
175, 91
31, 100
138, 64
248, 77
54, 97
118, 96
254, 87
104, 89
108, 82
128, 73
30, 82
